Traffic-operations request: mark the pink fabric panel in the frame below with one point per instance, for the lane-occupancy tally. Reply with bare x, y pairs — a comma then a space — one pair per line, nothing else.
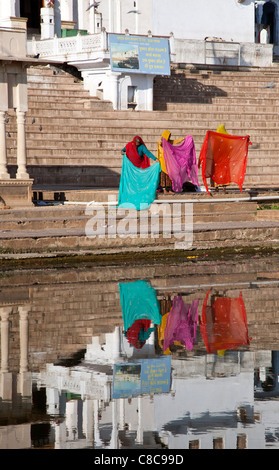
181, 162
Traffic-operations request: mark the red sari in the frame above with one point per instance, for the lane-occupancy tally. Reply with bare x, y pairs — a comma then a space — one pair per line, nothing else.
134, 156
223, 158
224, 324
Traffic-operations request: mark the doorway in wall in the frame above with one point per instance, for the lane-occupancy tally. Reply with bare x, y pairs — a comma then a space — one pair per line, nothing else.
269, 18
30, 9
132, 97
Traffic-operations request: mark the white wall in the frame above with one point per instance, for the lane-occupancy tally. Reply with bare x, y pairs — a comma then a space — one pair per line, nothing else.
187, 19
198, 19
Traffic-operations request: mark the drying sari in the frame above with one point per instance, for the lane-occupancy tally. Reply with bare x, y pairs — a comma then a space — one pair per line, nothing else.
138, 302
165, 180
224, 324
181, 163
137, 189
181, 323
223, 158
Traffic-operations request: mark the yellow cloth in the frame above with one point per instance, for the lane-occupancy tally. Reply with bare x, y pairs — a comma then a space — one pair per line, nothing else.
161, 334
160, 152
221, 129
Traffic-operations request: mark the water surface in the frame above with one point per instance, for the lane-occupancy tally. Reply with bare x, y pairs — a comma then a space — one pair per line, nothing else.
141, 355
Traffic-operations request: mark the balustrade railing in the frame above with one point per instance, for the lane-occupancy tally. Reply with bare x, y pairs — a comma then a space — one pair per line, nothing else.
61, 47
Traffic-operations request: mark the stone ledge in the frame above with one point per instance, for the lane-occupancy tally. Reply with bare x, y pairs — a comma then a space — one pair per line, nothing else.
15, 193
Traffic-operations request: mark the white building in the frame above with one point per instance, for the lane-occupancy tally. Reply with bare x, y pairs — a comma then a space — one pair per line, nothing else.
77, 32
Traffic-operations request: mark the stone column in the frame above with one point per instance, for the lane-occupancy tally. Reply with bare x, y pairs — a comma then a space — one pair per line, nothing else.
5, 375
23, 335
24, 377
21, 146
3, 149
4, 314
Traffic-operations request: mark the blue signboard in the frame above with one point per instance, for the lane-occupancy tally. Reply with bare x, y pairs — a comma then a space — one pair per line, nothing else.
145, 376
139, 54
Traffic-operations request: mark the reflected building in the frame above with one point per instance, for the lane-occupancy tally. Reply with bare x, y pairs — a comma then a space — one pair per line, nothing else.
206, 400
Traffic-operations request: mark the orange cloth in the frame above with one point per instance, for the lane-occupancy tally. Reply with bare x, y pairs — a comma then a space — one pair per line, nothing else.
223, 158
224, 324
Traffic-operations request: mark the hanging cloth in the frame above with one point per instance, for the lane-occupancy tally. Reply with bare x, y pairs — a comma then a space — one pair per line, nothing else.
138, 302
160, 151
224, 323
137, 189
223, 158
139, 332
181, 323
181, 162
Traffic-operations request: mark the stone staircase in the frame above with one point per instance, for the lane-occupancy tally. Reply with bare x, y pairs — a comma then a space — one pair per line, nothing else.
73, 151
76, 229
76, 139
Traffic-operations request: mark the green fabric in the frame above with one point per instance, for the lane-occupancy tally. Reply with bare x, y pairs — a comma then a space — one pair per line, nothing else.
138, 300
137, 189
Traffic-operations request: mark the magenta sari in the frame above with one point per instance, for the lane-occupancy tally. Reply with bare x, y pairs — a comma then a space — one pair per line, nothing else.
181, 162
181, 323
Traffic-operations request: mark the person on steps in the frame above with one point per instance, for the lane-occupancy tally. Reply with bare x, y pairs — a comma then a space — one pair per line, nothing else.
137, 152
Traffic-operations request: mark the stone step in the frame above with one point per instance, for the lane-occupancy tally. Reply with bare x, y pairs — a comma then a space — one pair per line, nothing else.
24, 224
66, 140
79, 135
205, 236
87, 115
61, 141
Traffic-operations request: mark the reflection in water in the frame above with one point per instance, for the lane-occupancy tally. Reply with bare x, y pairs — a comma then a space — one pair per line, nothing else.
140, 308
224, 324
181, 324
173, 362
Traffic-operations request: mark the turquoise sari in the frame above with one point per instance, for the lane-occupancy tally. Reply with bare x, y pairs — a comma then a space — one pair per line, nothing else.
137, 189
139, 301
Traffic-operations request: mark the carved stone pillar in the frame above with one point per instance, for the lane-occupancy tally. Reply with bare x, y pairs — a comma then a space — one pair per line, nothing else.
23, 335
21, 146
5, 375
4, 314
3, 149
24, 377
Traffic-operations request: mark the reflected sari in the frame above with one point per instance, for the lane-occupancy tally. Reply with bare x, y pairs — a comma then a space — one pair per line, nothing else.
224, 324
138, 302
181, 324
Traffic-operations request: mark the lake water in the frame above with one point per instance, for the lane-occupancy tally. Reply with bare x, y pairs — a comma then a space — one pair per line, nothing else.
166, 354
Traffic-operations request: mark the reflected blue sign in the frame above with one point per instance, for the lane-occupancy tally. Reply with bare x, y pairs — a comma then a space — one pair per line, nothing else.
147, 376
139, 54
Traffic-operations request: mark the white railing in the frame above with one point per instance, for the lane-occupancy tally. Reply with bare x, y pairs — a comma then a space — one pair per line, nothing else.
181, 50
63, 47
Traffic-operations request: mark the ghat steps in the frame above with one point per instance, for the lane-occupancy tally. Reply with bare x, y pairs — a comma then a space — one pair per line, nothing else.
67, 228
75, 138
